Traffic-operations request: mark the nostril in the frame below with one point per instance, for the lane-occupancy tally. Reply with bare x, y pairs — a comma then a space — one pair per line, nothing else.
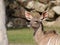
36, 21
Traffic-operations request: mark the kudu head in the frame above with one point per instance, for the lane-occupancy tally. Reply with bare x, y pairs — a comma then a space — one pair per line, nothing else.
36, 21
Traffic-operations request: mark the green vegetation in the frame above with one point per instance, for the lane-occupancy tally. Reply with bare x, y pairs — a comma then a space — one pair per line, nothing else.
24, 35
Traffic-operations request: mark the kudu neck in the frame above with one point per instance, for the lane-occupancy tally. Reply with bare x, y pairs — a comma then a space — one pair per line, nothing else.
39, 33
40, 29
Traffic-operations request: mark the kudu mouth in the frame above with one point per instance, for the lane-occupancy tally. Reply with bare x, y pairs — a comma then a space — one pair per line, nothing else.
36, 29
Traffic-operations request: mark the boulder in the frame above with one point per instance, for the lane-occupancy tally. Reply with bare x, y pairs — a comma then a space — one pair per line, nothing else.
36, 6
44, 1
35, 14
39, 6
58, 2
30, 5
56, 9
51, 13
52, 23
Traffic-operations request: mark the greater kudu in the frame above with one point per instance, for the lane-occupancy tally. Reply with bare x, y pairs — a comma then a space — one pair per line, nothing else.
41, 37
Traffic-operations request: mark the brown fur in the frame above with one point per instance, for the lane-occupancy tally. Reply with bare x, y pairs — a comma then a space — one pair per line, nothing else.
43, 37
52, 32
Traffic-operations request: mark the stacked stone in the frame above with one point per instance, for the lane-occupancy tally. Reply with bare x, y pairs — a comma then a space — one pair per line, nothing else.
39, 6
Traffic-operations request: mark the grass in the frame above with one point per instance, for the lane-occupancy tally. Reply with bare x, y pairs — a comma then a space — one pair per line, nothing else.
22, 36
25, 35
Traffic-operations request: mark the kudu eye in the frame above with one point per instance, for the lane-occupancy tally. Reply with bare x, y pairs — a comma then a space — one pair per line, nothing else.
36, 21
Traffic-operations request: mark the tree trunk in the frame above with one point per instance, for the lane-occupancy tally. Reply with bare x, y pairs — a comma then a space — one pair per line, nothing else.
3, 35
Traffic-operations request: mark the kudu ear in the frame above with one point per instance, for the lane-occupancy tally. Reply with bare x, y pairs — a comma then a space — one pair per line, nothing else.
44, 16
28, 15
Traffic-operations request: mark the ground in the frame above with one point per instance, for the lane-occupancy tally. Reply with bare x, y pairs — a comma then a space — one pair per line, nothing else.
24, 36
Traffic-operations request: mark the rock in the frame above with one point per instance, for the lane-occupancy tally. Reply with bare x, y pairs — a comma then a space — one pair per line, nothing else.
23, 2
18, 22
35, 14
30, 5
39, 6
49, 24
19, 12
56, 9
58, 2
44, 1
10, 24
36, 5
52, 23
51, 13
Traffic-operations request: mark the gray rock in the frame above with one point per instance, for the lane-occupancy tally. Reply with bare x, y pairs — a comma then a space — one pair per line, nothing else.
51, 13
36, 5
56, 9
40, 6
52, 23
